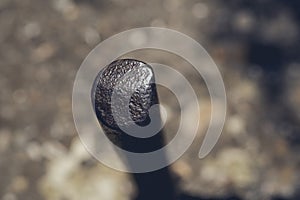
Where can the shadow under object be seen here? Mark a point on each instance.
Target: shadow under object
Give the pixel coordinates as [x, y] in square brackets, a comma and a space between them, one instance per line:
[158, 184]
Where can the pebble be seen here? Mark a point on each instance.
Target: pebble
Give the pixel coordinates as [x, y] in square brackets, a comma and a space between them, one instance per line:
[33, 151]
[244, 21]
[232, 165]
[5, 139]
[31, 30]
[182, 169]
[200, 10]
[43, 52]
[158, 23]
[65, 178]
[91, 36]
[235, 125]
[19, 184]
[9, 196]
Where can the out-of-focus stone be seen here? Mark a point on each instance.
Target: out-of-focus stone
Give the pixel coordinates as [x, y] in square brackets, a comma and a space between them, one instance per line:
[200, 10]
[231, 166]
[31, 30]
[66, 178]
[5, 139]
[19, 184]
[182, 169]
[9, 196]
[235, 125]
[91, 36]
[34, 151]
[43, 52]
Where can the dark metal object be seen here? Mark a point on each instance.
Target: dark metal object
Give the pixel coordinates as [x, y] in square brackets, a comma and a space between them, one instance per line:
[141, 101]
[152, 185]
[157, 185]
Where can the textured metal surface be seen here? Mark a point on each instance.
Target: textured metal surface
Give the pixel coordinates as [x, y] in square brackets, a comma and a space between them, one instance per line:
[122, 77]
[130, 74]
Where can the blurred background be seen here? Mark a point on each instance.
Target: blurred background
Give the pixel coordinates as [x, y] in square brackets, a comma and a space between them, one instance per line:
[254, 43]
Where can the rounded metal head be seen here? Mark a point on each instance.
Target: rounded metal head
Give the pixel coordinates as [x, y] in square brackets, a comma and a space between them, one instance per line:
[129, 82]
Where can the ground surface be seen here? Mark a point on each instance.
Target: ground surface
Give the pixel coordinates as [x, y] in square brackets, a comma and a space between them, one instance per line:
[255, 46]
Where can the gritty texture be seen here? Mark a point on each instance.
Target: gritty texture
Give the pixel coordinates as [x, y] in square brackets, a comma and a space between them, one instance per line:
[43, 44]
[130, 80]
[131, 84]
